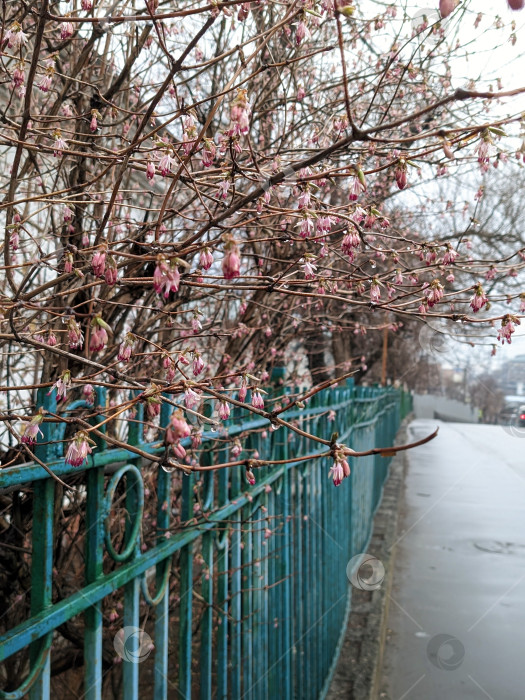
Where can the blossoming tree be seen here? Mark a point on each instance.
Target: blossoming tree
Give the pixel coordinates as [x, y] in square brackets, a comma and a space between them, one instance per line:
[189, 191]
[196, 193]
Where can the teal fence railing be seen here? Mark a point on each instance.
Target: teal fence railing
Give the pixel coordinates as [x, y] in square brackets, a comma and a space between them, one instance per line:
[148, 583]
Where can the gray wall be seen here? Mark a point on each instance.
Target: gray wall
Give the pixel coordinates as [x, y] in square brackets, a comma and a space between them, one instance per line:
[428, 406]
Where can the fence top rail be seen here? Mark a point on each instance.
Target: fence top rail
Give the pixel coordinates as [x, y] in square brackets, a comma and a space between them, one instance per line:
[27, 472]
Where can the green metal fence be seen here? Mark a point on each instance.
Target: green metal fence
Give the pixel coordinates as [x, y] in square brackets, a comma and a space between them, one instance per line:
[241, 589]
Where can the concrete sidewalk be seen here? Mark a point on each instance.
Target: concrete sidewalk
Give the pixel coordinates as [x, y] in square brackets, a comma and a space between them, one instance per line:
[456, 607]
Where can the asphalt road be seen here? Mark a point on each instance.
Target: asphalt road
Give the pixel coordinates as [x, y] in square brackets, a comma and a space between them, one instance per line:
[456, 618]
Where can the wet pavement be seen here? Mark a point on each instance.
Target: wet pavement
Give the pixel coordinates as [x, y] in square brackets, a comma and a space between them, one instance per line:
[456, 614]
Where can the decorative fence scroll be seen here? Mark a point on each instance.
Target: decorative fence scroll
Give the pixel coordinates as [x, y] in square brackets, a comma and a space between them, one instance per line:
[196, 586]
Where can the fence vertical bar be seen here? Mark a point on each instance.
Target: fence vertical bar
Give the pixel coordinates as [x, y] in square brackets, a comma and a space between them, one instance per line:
[131, 607]
[42, 573]
[207, 617]
[236, 602]
[94, 556]
[42, 548]
[162, 611]
[186, 594]
[94, 552]
[222, 594]
[247, 606]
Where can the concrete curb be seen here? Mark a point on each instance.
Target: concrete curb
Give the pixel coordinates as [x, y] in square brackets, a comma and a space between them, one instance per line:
[358, 672]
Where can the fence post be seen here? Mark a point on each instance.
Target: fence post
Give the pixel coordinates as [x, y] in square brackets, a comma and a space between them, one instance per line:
[42, 548]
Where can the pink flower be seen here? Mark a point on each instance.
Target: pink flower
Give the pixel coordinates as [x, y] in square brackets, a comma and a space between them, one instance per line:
[191, 398]
[307, 227]
[32, 429]
[479, 299]
[62, 385]
[150, 170]
[302, 32]
[447, 7]
[177, 428]
[206, 259]
[68, 263]
[179, 450]
[375, 291]
[126, 348]
[198, 364]
[153, 404]
[75, 335]
[98, 339]
[236, 448]
[434, 293]
[257, 399]
[78, 449]
[400, 174]
[19, 76]
[250, 477]
[166, 277]
[111, 272]
[66, 30]
[240, 114]
[304, 199]
[46, 82]
[223, 410]
[242, 392]
[244, 11]
[59, 144]
[398, 279]
[170, 368]
[15, 37]
[86, 5]
[355, 188]
[98, 263]
[224, 186]
[484, 150]
[340, 469]
[508, 324]
[89, 394]
[231, 264]
[301, 93]
[450, 256]
[208, 153]
[359, 215]
[309, 270]
[166, 164]
[370, 220]
[99, 336]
